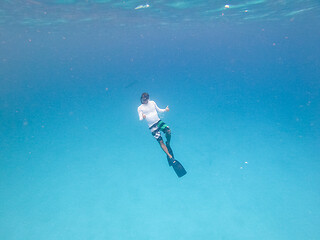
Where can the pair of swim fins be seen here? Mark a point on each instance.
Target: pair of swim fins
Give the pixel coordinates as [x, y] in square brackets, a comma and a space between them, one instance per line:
[177, 166]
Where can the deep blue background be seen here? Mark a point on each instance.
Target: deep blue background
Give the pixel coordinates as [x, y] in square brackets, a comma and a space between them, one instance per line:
[76, 163]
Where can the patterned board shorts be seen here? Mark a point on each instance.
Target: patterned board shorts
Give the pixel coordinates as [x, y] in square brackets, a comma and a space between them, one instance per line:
[157, 127]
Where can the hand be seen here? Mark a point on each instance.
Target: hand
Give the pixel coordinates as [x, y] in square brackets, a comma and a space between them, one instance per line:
[144, 116]
[167, 109]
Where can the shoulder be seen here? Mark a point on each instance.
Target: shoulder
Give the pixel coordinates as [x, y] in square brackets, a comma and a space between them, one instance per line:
[139, 108]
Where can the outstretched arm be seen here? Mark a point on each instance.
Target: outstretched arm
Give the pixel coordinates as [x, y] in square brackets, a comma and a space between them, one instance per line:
[161, 110]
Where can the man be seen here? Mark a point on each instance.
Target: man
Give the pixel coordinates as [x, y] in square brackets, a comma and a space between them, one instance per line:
[148, 110]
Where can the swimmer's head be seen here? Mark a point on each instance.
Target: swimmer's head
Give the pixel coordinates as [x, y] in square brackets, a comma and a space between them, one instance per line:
[144, 98]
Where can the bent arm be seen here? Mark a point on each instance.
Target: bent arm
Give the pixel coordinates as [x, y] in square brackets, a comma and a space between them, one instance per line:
[140, 114]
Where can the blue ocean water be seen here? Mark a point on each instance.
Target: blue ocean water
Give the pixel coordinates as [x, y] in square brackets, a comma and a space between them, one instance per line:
[242, 81]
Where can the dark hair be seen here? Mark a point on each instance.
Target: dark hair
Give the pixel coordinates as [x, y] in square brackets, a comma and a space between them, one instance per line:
[144, 96]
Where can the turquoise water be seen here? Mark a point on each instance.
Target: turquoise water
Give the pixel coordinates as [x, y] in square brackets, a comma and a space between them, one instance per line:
[242, 82]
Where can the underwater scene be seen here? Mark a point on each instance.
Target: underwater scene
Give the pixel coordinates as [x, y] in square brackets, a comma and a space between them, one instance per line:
[237, 83]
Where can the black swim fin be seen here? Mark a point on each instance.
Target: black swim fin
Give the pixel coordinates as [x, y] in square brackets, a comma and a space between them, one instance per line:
[177, 166]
